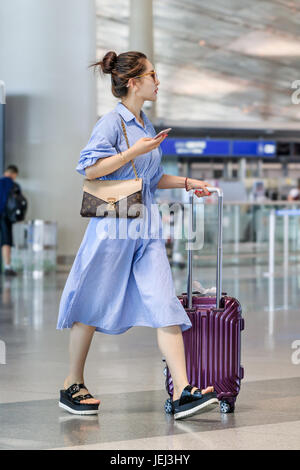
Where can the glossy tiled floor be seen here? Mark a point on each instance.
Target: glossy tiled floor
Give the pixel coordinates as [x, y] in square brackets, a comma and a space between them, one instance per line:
[125, 372]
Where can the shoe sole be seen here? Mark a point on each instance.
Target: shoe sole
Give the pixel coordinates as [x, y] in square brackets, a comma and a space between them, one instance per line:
[76, 412]
[207, 406]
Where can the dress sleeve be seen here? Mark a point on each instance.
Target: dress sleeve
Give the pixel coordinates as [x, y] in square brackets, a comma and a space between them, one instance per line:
[155, 179]
[101, 144]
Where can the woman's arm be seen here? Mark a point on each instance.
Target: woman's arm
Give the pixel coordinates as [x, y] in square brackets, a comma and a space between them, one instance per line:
[172, 181]
[107, 165]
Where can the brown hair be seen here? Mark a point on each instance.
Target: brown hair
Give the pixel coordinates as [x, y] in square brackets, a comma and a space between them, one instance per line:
[122, 67]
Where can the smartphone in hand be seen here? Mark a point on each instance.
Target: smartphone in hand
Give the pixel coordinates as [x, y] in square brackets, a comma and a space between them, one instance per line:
[165, 131]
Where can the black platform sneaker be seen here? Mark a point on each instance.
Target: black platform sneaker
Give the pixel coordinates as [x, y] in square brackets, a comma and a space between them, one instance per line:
[190, 404]
[74, 405]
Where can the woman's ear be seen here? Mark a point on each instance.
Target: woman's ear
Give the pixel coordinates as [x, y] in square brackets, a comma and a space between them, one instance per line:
[130, 83]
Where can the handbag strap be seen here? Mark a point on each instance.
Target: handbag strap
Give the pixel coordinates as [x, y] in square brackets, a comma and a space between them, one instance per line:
[125, 133]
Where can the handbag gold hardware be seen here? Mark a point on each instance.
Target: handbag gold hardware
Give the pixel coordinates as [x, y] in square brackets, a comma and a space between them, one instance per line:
[111, 204]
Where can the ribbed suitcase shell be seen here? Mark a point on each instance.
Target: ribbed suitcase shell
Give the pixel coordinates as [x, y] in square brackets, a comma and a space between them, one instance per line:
[212, 346]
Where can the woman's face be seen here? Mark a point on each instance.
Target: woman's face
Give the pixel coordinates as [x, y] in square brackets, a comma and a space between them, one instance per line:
[146, 85]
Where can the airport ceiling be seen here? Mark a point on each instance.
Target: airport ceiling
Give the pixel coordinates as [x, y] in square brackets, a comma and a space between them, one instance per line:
[223, 61]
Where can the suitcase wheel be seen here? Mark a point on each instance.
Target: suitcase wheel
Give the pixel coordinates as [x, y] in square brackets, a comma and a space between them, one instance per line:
[226, 407]
[168, 406]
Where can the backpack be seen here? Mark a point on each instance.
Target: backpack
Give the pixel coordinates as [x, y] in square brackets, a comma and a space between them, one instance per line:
[16, 205]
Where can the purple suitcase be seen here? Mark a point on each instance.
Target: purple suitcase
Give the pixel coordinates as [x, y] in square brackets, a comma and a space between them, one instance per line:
[213, 343]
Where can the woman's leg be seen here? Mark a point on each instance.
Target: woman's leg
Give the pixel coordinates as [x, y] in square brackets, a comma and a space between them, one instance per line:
[80, 340]
[171, 345]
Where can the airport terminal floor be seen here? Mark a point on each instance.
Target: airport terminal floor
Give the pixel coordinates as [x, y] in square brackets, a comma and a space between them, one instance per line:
[126, 373]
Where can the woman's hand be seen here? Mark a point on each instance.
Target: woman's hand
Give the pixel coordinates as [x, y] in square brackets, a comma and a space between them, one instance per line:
[145, 145]
[198, 185]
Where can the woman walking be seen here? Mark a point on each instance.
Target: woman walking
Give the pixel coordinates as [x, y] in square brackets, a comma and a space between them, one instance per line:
[117, 283]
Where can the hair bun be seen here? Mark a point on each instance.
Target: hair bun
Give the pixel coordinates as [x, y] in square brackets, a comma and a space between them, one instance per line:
[109, 62]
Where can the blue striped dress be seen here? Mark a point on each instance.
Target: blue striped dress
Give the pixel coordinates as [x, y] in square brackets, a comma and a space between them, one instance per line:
[119, 282]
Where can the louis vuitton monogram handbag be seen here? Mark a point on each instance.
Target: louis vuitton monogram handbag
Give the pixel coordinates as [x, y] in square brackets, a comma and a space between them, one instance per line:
[113, 198]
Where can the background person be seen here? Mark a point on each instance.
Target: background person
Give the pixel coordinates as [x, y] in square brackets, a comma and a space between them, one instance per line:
[294, 194]
[6, 184]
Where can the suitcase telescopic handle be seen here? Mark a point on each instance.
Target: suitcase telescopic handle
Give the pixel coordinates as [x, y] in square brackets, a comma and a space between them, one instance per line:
[219, 192]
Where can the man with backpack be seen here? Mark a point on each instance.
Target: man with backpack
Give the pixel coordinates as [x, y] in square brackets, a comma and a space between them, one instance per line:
[10, 198]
